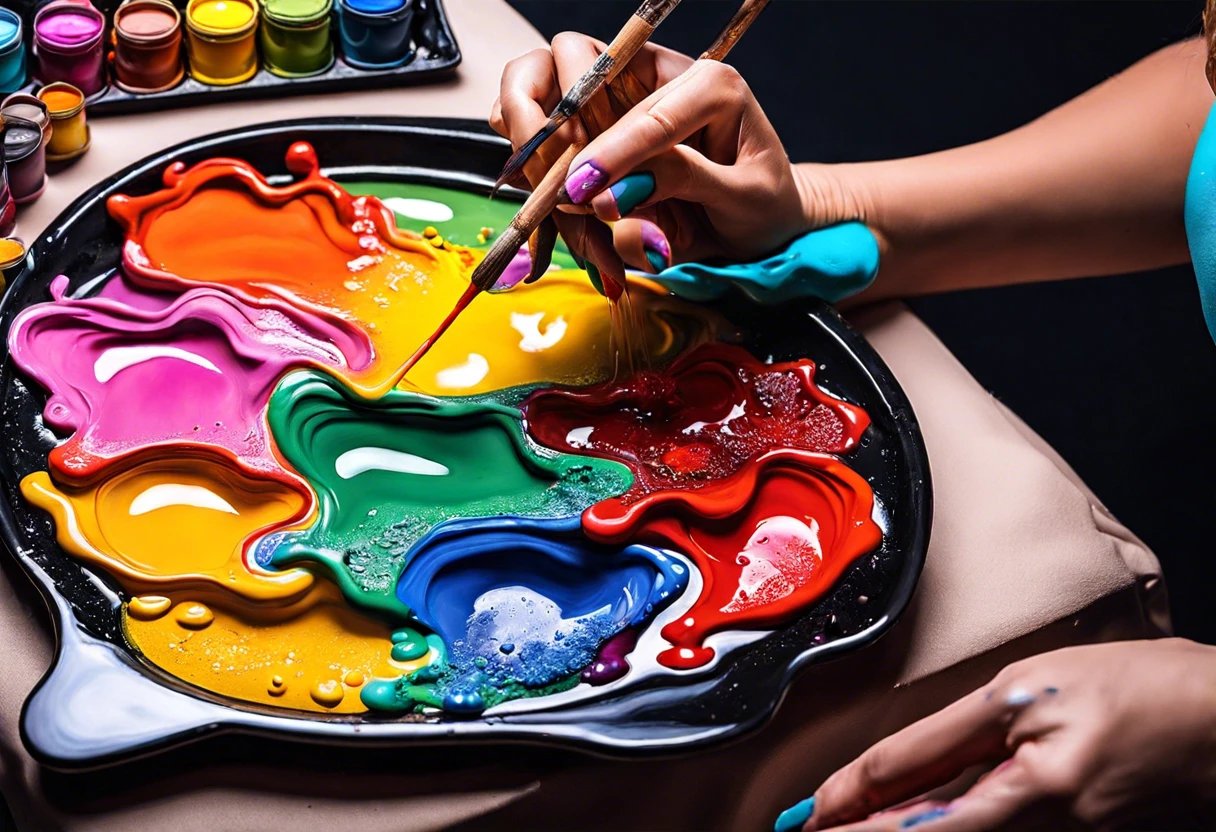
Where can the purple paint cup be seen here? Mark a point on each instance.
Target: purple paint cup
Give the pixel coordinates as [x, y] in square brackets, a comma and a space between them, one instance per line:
[25, 156]
[69, 44]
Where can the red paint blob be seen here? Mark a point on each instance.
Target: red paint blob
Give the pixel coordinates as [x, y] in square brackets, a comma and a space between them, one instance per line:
[697, 421]
[769, 540]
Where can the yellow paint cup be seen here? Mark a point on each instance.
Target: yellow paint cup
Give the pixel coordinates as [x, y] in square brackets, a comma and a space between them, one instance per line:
[69, 132]
[220, 40]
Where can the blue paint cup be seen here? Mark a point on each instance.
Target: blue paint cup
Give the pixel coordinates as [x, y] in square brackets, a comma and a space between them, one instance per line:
[12, 51]
[376, 34]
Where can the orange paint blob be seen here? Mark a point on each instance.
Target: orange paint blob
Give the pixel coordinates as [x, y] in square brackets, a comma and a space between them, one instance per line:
[58, 101]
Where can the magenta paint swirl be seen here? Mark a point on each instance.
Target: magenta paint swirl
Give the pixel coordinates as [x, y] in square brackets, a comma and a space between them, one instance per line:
[133, 369]
[65, 28]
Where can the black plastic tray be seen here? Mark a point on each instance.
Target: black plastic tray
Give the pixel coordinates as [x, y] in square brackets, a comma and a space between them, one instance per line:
[436, 54]
[101, 703]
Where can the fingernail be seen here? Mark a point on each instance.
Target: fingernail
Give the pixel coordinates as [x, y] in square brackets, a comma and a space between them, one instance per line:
[631, 191]
[925, 817]
[585, 182]
[795, 816]
[655, 246]
[518, 269]
[594, 274]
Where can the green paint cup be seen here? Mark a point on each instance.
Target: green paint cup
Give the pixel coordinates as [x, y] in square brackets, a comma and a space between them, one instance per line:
[295, 37]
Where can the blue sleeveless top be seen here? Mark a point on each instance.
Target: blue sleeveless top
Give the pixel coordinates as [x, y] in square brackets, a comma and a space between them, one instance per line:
[1200, 215]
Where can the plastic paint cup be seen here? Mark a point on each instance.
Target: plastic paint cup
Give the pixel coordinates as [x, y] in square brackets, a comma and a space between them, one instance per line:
[25, 156]
[70, 132]
[147, 46]
[376, 34]
[69, 45]
[220, 40]
[295, 37]
[8, 206]
[12, 51]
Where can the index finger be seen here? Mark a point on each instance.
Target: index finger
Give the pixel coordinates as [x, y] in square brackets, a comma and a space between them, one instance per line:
[923, 756]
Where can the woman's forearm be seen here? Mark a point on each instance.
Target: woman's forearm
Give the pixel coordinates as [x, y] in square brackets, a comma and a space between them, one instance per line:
[1093, 187]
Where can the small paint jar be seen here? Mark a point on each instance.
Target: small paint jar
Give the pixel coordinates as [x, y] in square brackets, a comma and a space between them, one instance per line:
[221, 40]
[8, 206]
[12, 260]
[69, 43]
[70, 132]
[25, 156]
[295, 37]
[29, 107]
[12, 51]
[147, 46]
[376, 34]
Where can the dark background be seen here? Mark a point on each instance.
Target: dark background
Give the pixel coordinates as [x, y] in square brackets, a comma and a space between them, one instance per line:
[1118, 373]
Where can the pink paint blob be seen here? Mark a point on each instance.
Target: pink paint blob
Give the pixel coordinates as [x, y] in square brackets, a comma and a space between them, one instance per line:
[67, 28]
[129, 370]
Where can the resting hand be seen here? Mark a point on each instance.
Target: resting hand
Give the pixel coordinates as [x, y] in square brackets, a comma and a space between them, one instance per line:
[1101, 735]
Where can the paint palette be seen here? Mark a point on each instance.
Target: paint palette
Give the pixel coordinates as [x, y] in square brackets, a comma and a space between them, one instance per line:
[512, 545]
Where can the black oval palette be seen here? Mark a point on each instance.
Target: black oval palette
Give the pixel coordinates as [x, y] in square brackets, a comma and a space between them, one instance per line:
[101, 702]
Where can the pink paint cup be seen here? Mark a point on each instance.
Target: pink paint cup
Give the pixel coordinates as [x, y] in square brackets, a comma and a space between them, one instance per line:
[70, 46]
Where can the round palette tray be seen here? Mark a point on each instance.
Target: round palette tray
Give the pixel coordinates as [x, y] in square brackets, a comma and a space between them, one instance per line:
[102, 703]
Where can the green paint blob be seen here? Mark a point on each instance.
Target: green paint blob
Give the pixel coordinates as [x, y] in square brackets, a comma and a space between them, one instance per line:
[471, 212]
[411, 648]
[387, 471]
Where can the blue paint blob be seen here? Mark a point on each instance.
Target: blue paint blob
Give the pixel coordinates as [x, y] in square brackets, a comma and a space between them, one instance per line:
[935, 813]
[831, 263]
[523, 604]
[1200, 215]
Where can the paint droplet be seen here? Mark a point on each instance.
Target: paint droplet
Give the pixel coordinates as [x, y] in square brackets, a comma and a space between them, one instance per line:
[353, 679]
[194, 616]
[1019, 697]
[277, 686]
[148, 607]
[327, 693]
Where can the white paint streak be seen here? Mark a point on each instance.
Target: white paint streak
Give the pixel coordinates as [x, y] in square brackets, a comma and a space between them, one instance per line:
[177, 494]
[426, 210]
[116, 359]
[533, 340]
[360, 460]
[464, 375]
[580, 437]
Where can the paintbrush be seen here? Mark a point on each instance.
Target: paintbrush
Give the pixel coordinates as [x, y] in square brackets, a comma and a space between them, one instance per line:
[551, 192]
[632, 37]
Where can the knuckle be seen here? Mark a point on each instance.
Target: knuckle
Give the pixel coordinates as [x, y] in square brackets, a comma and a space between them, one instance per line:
[664, 123]
[563, 41]
[875, 766]
[726, 79]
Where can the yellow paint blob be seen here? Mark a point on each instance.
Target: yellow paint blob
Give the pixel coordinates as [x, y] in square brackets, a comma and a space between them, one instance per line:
[353, 679]
[288, 663]
[183, 521]
[10, 250]
[222, 14]
[193, 616]
[148, 607]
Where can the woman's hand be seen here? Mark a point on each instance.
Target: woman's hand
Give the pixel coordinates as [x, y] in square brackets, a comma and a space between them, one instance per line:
[697, 158]
[1101, 735]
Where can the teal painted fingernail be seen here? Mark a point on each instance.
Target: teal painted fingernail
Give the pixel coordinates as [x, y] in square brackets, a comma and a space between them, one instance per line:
[631, 191]
[795, 816]
[657, 261]
[594, 274]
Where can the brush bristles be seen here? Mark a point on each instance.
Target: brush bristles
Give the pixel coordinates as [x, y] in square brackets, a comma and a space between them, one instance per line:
[499, 257]
[520, 157]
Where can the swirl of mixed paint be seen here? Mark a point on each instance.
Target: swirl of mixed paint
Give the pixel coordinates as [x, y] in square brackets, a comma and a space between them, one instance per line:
[237, 457]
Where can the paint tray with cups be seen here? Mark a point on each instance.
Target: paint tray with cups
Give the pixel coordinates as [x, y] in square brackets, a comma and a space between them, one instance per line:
[245, 520]
[142, 55]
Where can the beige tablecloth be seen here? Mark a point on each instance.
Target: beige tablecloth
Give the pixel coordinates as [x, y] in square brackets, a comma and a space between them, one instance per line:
[1023, 559]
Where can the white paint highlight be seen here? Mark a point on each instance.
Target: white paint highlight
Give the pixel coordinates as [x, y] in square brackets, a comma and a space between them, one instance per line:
[722, 424]
[116, 359]
[533, 340]
[426, 210]
[580, 437]
[357, 461]
[471, 372]
[178, 494]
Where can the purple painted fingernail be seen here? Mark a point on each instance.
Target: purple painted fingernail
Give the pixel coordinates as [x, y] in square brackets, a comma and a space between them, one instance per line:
[518, 269]
[655, 246]
[585, 182]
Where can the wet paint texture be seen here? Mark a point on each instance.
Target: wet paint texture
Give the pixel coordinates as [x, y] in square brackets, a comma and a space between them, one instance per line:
[296, 525]
[522, 605]
[769, 541]
[386, 472]
[831, 263]
[699, 420]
